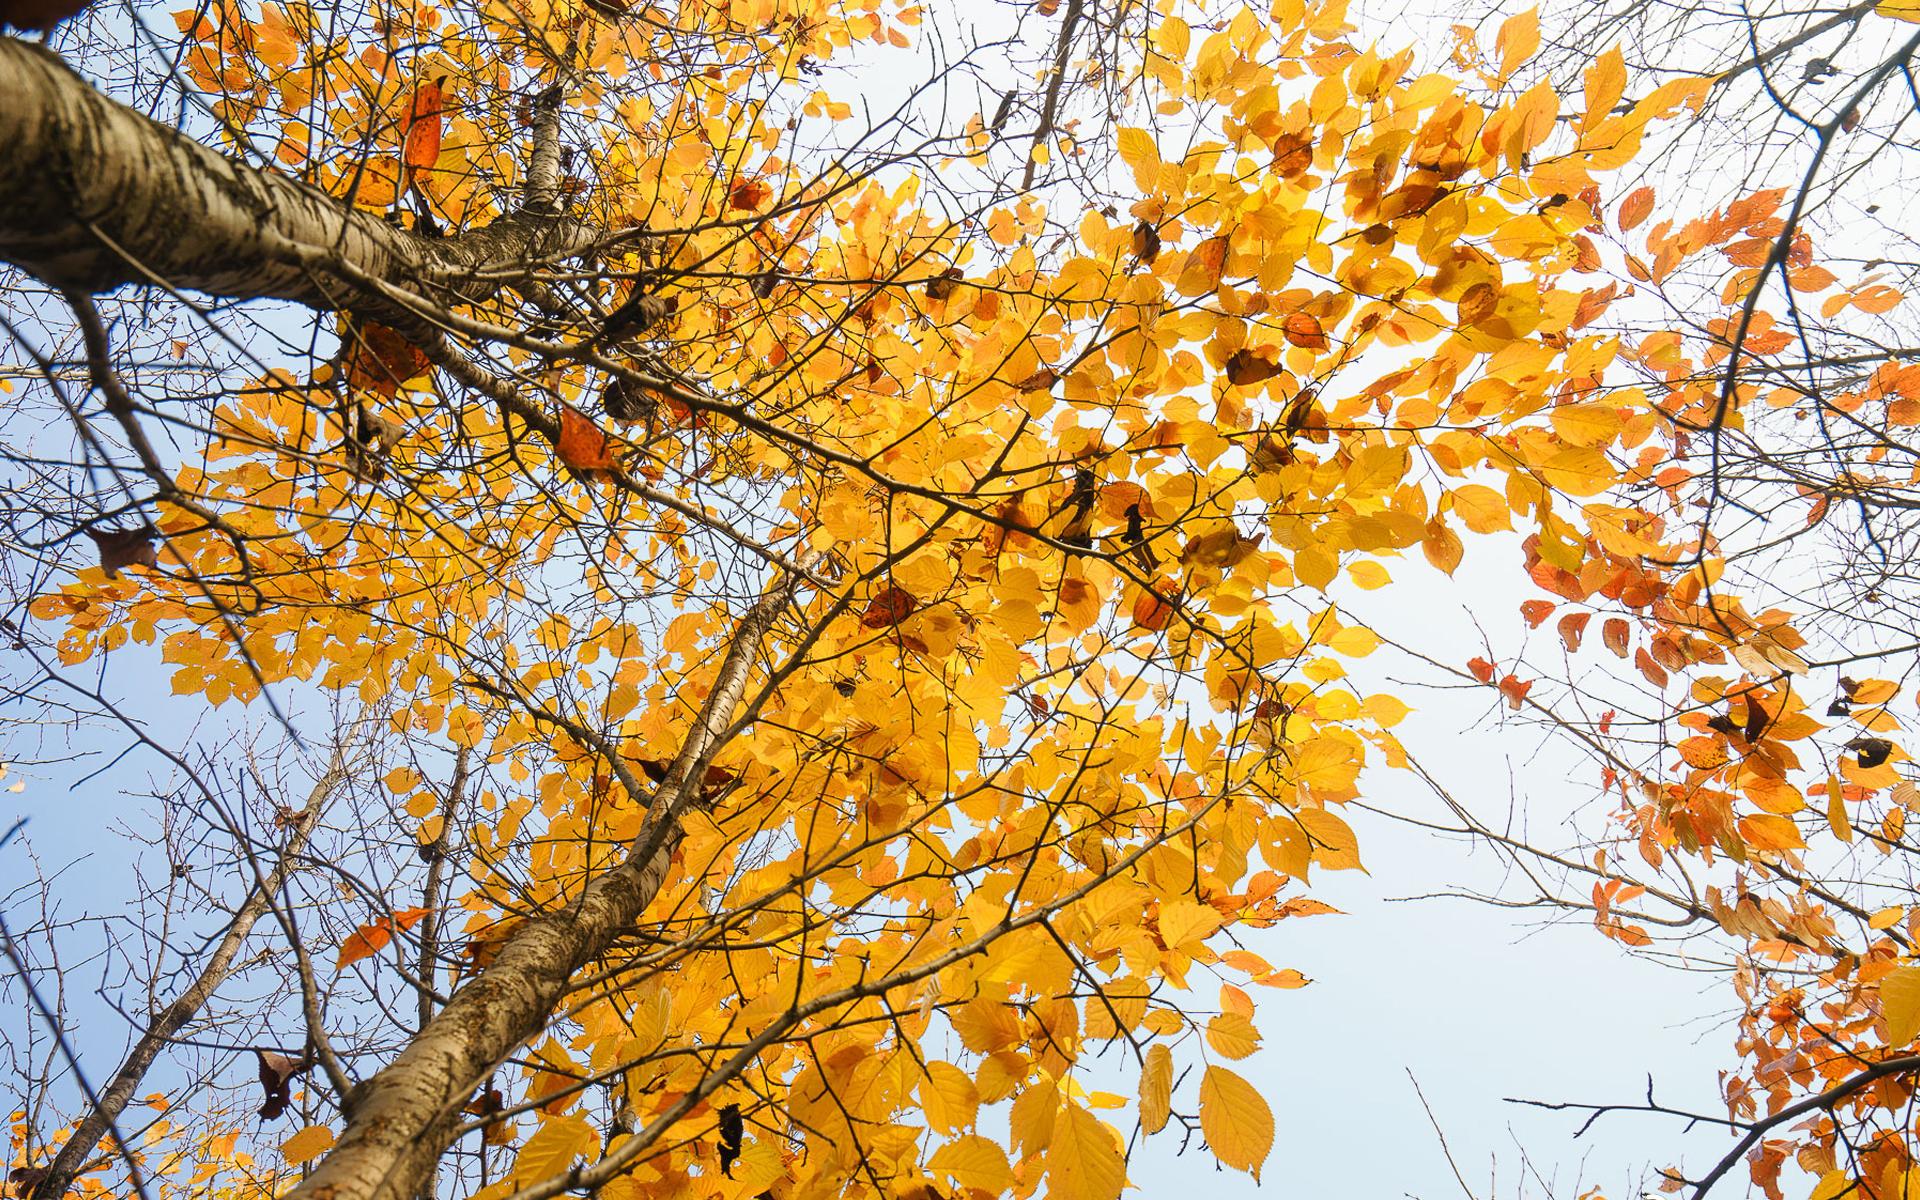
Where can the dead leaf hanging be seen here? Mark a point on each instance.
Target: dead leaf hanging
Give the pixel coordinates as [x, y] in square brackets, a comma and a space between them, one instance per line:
[125, 548]
[1039, 381]
[1246, 368]
[941, 286]
[277, 1073]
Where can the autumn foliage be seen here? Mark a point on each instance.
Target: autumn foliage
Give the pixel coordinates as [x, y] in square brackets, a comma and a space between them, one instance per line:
[1006, 539]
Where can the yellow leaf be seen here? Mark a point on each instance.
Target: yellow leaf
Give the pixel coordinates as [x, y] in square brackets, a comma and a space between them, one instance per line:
[552, 1148]
[1887, 918]
[1518, 38]
[1837, 811]
[1483, 509]
[948, 1097]
[1385, 710]
[1900, 1002]
[1085, 1160]
[1156, 1089]
[1236, 1120]
[975, 1163]
[1139, 151]
[1232, 1035]
[1183, 922]
[1606, 81]
[310, 1142]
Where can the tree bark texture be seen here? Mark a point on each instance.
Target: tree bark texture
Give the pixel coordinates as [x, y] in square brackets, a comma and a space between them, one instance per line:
[95, 196]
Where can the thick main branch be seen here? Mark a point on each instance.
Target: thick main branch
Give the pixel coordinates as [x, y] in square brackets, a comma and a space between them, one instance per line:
[401, 1119]
[95, 195]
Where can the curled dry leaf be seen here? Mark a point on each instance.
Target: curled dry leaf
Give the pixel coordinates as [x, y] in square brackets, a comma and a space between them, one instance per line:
[941, 286]
[627, 403]
[125, 548]
[1247, 367]
[1146, 242]
[277, 1073]
[370, 442]
[732, 1132]
[1039, 381]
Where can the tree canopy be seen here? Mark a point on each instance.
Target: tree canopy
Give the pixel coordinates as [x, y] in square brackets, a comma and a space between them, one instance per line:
[800, 560]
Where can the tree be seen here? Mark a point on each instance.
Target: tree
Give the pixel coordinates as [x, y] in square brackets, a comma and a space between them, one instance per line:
[851, 609]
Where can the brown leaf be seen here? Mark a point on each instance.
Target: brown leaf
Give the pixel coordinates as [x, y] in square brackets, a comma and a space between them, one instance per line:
[277, 1073]
[124, 548]
[1039, 381]
[1146, 242]
[1246, 368]
[627, 403]
[486, 1104]
[941, 286]
[639, 312]
[732, 1130]
[1872, 751]
[582, 445]
[370, 442]
[1142, 553]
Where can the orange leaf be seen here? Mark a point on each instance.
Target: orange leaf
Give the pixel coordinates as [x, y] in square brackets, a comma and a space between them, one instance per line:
[380, 360]
[1303, 330]
[423, 128]
[1615, 634]
[1152, 609]
[583, 446]
[889, 607]
[364, 942]
[1636, 207]
[748, 194]
[1481, 668]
